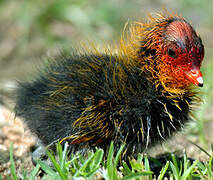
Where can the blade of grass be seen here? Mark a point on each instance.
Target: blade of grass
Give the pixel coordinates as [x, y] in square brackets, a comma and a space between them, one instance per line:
[163, 171]
[174, 160]
[56, 165]
[185, 162]
[126, 169]
[91, 165]
[135, 165]
[118, 155]
[81, 170]
[202, 149]
[47, 169]
[98, 157]
[188, 171]
[111, 169]
[12, 166]
[59, 153]
[146, 165]
[34, 172]
[75, 161]
[174, 171]
[209, 168]
[140, 157]
[24, 174]
[62, 154]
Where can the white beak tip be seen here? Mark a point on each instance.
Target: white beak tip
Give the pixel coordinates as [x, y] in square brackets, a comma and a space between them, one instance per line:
[200, 81]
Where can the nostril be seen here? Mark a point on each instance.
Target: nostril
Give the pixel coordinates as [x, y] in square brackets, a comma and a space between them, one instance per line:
[194, 72]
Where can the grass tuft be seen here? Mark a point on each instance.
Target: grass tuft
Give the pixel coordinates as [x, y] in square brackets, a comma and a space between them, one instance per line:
[64, 167]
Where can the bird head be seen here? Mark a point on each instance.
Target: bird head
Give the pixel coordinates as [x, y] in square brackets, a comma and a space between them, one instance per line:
[168, 47]
[183, 50]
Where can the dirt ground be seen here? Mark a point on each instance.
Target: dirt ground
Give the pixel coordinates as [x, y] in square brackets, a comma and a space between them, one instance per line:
[13, 132]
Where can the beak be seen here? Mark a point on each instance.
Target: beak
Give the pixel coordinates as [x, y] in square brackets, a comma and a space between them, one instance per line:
[194, 75]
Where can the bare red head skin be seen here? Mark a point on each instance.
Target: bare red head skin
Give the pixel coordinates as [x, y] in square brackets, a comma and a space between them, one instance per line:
[184, 50]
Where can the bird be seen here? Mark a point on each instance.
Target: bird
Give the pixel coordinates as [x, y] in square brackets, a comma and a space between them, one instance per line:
[139, 92]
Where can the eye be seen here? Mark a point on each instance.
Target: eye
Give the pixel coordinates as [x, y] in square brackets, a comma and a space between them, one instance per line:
[171, 53]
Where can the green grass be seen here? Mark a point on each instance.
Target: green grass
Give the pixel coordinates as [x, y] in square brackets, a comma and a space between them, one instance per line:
[76, 166]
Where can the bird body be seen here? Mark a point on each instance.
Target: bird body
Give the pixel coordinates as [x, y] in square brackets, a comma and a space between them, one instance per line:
[139, 95]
